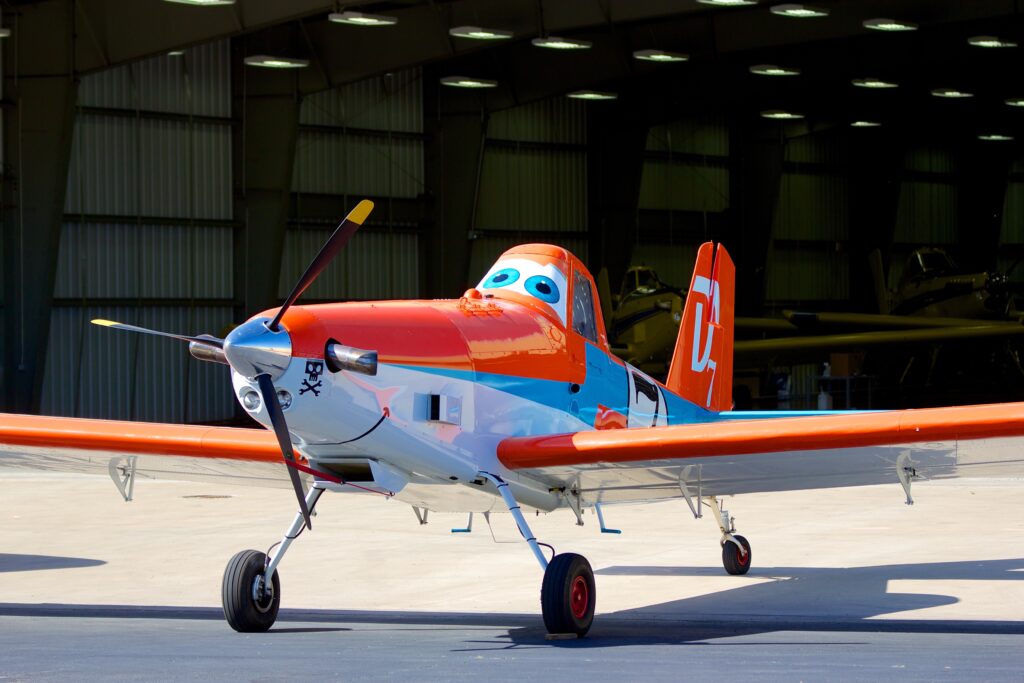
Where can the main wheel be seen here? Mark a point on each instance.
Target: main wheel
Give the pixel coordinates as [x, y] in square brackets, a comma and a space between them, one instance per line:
[249, 605]
[568, 595]
[736, 562]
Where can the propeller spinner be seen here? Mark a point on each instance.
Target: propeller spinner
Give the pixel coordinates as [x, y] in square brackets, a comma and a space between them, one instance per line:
[260, 349]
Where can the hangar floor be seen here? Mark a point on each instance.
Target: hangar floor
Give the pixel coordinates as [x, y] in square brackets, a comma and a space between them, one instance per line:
[927, 590]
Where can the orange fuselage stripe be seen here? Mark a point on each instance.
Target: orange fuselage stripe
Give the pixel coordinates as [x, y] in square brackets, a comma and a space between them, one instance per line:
[142, 438]
[769, 435]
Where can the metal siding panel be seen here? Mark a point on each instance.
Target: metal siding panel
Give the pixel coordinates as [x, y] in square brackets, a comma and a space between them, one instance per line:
[683, 186]
[557, 120]
[816, 149]
[693, 136]
[105, 261]
[929, 160]
[806, 273]
[334, 163]
[374, 265]
[1013, 214]
[811, 207]
[927, 213]
[530, 189]
[393, 101]
[672, 262]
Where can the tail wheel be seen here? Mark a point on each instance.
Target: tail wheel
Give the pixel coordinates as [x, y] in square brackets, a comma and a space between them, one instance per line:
[568, 595]
[250, 606]
[735, 560]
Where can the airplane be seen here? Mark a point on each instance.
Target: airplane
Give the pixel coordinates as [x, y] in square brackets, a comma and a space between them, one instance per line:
[507, 398]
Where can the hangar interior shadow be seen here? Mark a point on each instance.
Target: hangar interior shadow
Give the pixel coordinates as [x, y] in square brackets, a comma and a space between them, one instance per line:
[801, 599]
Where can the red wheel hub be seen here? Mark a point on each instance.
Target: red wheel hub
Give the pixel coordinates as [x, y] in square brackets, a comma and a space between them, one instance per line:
[742, 557]
[579, 597]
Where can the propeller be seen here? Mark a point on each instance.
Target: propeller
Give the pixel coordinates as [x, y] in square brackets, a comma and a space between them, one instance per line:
[261, 349]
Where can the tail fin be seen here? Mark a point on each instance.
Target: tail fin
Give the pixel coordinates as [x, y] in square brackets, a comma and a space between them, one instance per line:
[701, 369]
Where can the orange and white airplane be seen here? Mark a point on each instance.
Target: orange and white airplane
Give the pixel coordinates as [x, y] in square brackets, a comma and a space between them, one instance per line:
[507, 397]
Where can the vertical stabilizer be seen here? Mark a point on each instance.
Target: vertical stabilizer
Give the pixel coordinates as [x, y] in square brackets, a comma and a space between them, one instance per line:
[701, 369]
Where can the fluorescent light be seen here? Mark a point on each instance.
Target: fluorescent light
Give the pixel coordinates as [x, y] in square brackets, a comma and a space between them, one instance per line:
[773, 70]
[477, 33]
[865, 124]
[889, 25]
[202, 3]
[990, 41]
[175, 53]
[728, 3]
[592, 95]
[269, 62]
[467, 82]
[5, 33]
[1015, 101]
[791, 9]
[362, 19]
[556, 43]
[660, 56]
[876, 83]
[781, 115]
[995, 137]
[951, 93]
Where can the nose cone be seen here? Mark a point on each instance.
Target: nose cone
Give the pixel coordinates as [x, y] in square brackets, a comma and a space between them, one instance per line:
[253, 349]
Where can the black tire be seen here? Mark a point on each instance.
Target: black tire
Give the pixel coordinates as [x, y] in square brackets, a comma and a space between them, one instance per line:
[243, 611]
[734, 561]
[568, 595]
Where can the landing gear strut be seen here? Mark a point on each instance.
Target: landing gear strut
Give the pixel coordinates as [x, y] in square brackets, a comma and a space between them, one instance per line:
[251, 590]
[568, 595]
[736, 555]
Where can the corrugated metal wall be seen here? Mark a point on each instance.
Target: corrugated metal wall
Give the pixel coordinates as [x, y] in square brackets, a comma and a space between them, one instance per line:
[807, 259]
[533, 183]
[361, 140]
[1011, 238]
[147, 240]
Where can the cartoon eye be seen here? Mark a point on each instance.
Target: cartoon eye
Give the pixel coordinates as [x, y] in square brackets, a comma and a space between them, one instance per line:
[544, 288]
[502, 278]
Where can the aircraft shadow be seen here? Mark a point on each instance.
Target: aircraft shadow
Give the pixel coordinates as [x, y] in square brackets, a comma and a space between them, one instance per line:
[29, 563]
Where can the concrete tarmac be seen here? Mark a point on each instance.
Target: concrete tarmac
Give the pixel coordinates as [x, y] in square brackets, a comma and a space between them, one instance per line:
[847, 584]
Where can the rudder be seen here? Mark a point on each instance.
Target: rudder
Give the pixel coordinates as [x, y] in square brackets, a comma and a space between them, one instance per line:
[701, 368]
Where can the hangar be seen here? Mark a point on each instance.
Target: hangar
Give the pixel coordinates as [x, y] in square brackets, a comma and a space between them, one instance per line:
[175, 164]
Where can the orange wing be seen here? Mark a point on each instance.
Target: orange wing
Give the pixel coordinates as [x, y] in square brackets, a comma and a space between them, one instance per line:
[777, 454]
[247, 456]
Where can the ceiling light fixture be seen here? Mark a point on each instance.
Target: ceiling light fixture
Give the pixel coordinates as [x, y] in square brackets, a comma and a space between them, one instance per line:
[467, 82]
[865, 124]
[951, 93]
[995, 137]
[1015, 102]
[773, 70]
[5, 33]
[269, 62]
[660, 56]
[592, 95]
[175, 53]
[889, 25]
[791, 9]
[362, 19]
[202, 3]
[556, 43]
[875, 83]
[781, 115]
[990, 41]
[728, 3]
[477, 33]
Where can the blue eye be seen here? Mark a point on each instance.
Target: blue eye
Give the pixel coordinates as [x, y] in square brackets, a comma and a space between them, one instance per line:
[502, 278]
[544, 288]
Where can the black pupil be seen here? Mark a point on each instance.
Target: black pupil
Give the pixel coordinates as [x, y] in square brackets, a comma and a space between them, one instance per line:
[543, 288]
[501, 277]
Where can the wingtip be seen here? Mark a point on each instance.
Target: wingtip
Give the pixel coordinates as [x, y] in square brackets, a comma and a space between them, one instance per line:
[362, 210]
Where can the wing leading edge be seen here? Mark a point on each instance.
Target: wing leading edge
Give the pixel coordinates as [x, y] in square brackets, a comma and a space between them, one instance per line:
[745, 456]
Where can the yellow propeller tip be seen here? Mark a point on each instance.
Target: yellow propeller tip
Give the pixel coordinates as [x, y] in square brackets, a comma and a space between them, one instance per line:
[362, 210]
[104, 323]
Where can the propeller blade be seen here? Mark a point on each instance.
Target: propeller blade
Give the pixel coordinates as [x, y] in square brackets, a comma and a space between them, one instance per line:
[283, 439]
[207, 339]
[342, 234]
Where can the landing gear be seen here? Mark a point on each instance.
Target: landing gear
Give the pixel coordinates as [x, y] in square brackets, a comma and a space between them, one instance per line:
[251, 590]
[250, 603]
[568, 595]
[736, 555]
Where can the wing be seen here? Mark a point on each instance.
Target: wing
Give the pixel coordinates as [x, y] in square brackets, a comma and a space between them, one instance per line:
[778, 454]
[162, 451]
